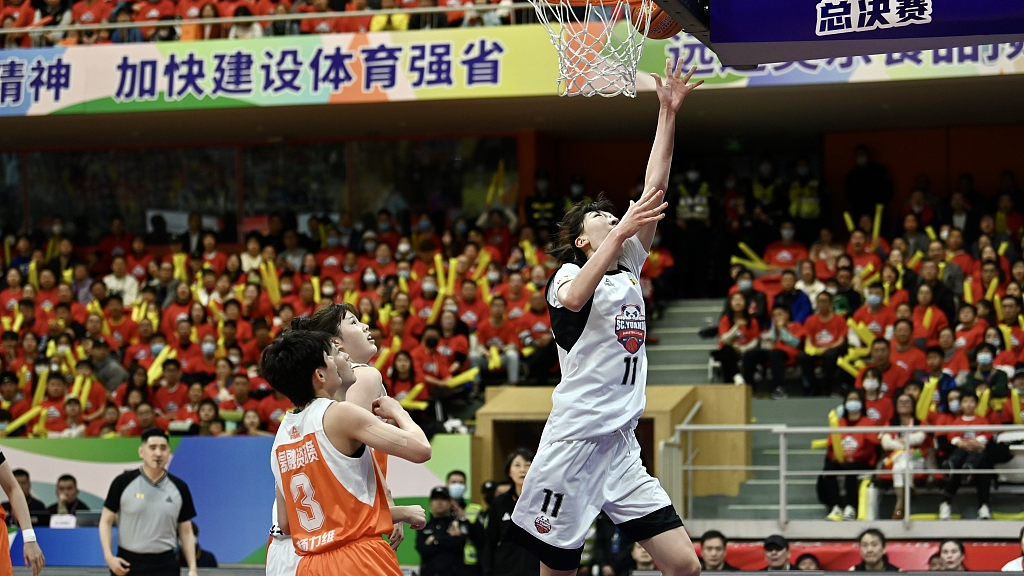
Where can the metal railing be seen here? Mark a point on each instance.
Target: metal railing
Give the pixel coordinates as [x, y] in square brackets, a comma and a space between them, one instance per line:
[678, 462]
[263, 20]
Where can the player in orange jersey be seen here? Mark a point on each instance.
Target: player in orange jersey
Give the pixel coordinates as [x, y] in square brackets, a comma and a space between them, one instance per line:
[330, 498]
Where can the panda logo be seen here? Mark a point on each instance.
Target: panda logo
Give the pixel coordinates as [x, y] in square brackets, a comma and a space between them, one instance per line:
[631, 327]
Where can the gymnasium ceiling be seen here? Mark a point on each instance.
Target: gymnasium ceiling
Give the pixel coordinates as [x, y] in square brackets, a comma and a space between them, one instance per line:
[710, 117]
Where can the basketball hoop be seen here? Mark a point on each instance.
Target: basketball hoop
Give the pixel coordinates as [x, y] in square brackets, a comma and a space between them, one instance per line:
[596, 57]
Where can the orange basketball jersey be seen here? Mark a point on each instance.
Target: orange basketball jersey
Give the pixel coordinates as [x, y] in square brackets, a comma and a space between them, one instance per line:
[332, 499]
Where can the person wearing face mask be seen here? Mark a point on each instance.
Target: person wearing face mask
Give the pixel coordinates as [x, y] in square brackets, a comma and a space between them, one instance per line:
[497, 225]
[807, 201]
[785, 253]
[876, 317]
[443, 541]
[890, 376]
[383, 261]
[968, 453]
[867, 184]
[756, 299]
[577, 193]
[986, 376]
[897, 458]
[387, 232]
[857, 452]
[877, 406]
[331, 255]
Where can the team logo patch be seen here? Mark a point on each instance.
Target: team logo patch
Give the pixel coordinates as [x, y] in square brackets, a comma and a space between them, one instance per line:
[631, 327]
[542, 524]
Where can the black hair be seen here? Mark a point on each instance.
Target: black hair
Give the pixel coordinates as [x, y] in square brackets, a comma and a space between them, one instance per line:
[935, 350]
[171, 362]
[67, 478]
[22, 473]
[571, 226]
[873, 532]
[325, 320]
[526, 454]
[153, 432]
[460, 472]
[806, 556]
[289, 362]
[985, 346]
[903, 321]
[859, 392]
[964, 395]
[881, 341]
[712, 534]
[959, 544]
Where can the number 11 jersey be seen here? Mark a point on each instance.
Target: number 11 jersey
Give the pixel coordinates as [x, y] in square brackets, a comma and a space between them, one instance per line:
[601, 350]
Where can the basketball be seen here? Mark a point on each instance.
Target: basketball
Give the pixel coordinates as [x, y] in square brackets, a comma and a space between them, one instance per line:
[662, 25]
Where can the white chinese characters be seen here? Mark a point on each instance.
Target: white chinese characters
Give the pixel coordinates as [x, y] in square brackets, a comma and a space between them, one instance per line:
[843, 16]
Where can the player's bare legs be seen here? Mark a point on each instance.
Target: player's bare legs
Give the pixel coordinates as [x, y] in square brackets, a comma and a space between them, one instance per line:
[673, 553]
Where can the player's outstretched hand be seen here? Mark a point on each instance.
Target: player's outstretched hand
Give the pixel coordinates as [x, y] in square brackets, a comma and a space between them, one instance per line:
[649, 208]
[387, 408]
[674, 88]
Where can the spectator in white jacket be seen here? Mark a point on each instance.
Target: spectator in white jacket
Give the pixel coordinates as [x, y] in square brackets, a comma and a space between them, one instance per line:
[119, 281]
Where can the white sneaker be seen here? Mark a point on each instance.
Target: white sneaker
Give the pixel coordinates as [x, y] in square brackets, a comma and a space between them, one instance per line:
[945, 511]
[849, 513]
[738, 380]
[779, 393]
[984, 513]
[836, 514]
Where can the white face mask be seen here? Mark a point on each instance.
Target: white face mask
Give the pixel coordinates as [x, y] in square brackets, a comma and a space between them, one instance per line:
[871, 385]
[327, 291]
[404, 247]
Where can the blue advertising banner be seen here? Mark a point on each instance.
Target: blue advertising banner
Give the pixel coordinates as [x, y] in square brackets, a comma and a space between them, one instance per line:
[756, 32]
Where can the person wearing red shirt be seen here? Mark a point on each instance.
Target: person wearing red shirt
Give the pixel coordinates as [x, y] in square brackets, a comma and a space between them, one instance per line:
[785, 338]
[212, 257]
[303, 302]
[861, 258]
[123, 330]
[10, 399]
[109, 418]
[138, 260]
[877, 407]
[825, 331]
[428, 362]
[133, 422]
[738, 331]
[243, 328]
[496, 331]
[177, 311]
[383, 263]
[151, 11]
[30, 322]
[46, 297]
[252, 350]
[784, 254]
[11, 295]
[272, 410]
[53, 404]
[201, 365]
[535, 332]
[146, 349]
[396, 329]
[401, 377]
[496, 224]
[876, 316]
[904, 353]
[219, 388]
[172, 394]
[66, 296]
[472, 309]
[454, 344]
[860, 452]
[956, 254]
[982, 280]
[971, 330]
[515, 295]
[23, 13]
[929, 319]
[892, 376]
[324, 25]
[189, 412]
[332, 255]
[1011, 323]
[423, 303]
[240, 401]
[954, 360]
[969, 453]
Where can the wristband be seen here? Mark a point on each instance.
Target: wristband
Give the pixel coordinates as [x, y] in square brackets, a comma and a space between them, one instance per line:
[29, 535]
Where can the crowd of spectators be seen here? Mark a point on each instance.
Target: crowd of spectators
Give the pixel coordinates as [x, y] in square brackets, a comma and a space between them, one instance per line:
[110, 339]
[81, 14]
[922, 325]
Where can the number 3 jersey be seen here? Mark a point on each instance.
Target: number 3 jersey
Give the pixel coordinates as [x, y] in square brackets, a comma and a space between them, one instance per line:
[601, 350]
[332, 499]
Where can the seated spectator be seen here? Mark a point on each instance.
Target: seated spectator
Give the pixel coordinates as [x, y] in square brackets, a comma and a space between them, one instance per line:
[891, 376]
[951, 556]
[119, 282]
[968, 453]
[971, 330]
[847, 297]
[109, 418]
[929, 319]
[535, 333]
[986, 376]
[250, 425]
[172, 395]
[872, 553]
[738, 332]
[858, 452]
[272, 410]
[73, 426]
[903, 352]
[782, 344]
[935, 563]
[497, 332]
[877, 407]
[826, 340]
[757, 302]
[713, 546]
[791, 298]
[807, 562]
[809, 283]
[240, 400]
[67, 497]
[874, 314]
[1010, 323]
[895, 444]
[35, 506]
[53, 403]
[776, 553]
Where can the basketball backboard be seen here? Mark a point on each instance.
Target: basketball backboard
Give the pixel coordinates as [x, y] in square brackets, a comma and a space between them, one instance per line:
[752, 32]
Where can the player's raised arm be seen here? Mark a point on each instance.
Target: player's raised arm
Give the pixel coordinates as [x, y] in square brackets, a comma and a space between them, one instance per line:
[345, 422]
[671, 93]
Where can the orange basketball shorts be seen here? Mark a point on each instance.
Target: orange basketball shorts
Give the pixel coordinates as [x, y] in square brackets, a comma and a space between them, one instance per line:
[366, 557]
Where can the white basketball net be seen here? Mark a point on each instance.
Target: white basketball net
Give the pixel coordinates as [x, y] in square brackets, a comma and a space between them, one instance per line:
[594, 58]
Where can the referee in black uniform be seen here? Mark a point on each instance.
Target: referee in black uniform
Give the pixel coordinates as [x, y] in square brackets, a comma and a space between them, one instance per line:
[154, 511]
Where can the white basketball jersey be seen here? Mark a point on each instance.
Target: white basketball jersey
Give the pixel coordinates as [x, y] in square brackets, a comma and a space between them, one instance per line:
[602, 353]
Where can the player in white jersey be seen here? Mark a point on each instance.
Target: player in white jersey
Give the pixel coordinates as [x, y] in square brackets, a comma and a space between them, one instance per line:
[589, 458]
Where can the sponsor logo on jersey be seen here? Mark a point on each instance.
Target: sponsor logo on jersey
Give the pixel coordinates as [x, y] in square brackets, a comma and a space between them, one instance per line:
[542, 524]
[293, 433]
[631, 327]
